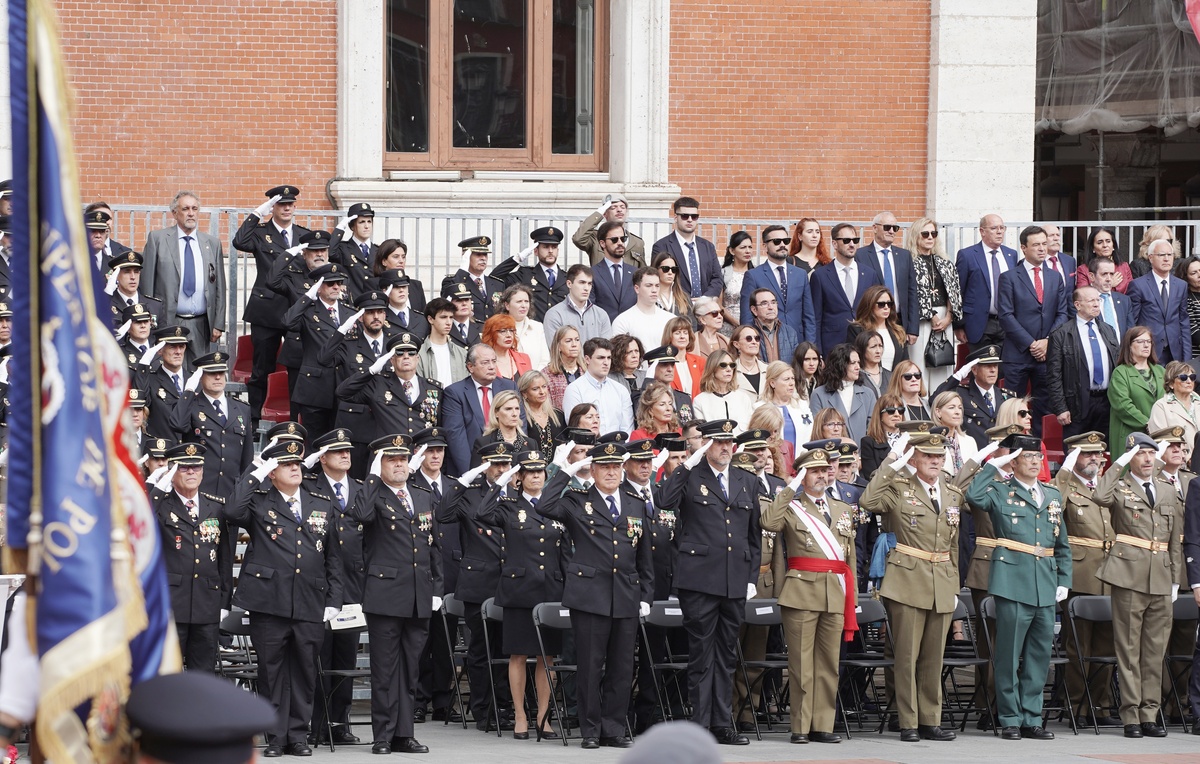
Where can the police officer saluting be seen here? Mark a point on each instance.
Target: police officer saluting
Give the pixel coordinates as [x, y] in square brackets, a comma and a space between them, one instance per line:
[161, 374]
[547, 281]
[221, 423]
[319, 315]
[400, 402]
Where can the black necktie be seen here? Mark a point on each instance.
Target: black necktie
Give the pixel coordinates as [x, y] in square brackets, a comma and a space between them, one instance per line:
[824, 509]
[189, 268]
[462, 331]
[782, 288]
[1149, 492]
[286, 244]
[220, 414]
[337, 490]
[437, 493]
[1163, 294]
[375, 347]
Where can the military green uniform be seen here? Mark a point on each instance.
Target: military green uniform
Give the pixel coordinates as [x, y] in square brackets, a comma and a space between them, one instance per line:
[1030, 561]
[976, 580]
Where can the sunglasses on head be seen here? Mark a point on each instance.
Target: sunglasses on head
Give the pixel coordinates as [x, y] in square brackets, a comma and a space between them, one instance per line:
[669, 268]
[849, 239]
[779, 241]
[892, 410]
[615, 239]
[929, 234]
[688, 215]
[911, 375]
[890, 227]
[1186, 377]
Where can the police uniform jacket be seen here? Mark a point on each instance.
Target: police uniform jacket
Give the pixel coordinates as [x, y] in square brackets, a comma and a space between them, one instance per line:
[344, 251]
[261, 238]
[1084, 519]
[289, 277]
[117, 305]
[482, 545]
[1019, 516]
[199, 565]
[976, 419]
[384, 395]
[290, 569]
[349, 535]
[907, 512]
[230, 445]
[347, 355]
[316, 384]
[534, 277]
[802, 589]
[531, 568]
[484, 302]
[447, 532]
[404, 563]
[474, 335]
[662, 545]
[417, 324]
[611, 570]
[161, 394]
[719, 539]
[1128, 566]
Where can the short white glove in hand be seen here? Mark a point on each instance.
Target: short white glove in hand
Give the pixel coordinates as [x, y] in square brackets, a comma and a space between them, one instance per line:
[164, 482]
[751, 591]
[507, 477]
[151, 352]
[465, 263]
[573, 469]
[375, 464]
[1162, 449]
[625, 457]
[142, 461]
[469, 476]
[1125, 458]
[312, 458]
[1060, 594]
[265, 208]
[1000, 461]
[110, 286]
[962, 373]
[519, 256]
[603, 208]
[344, 223]
[266, 468]
[293, 251]
[644, 609]
[224, 614]
[982, 455]
[193, 381]
[382, 361]
[437, 603]
[417, 459]
[1073, 457]
[4, 369]
[123, 329]
[157, 475]
[312, 290]
[798, 480]
[660, 459]
[901, 444]
[330, 614]
[387, 290]
[901, 462]
[1174, 592]
[349, 323]
[562, 452]
[695, 458]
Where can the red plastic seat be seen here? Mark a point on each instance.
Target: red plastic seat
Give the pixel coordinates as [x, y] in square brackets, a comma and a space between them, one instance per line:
[277, 406]
[244, 361]
[1052, 438]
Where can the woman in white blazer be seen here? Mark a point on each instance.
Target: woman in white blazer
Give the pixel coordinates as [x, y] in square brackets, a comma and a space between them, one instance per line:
[779, 392]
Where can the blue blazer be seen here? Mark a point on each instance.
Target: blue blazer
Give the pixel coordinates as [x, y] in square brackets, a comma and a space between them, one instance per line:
[604, 290]
[906, 282]
[710, 267]
[1172, 330]
[1025, 320]
[833, 314]
[975, 282]
[1067, 264]
[798, 313]
[463, 416]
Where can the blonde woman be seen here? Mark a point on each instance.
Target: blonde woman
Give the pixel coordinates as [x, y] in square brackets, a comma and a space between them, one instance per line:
[744, 347]
[543, 421]
[908, 382]
[655, 412]
[782, 453]
[948, 411]
[939, 296]
[720, 397]
[566, 359]
[503, 424]
[1018, 411]
[779, 392]
[1180, 406]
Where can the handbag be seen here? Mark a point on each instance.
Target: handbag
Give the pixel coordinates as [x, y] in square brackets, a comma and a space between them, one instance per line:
[939, 351]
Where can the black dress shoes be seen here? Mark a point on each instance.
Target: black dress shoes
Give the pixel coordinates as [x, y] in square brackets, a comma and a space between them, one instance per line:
[1150, 729]
[728, 736]
[410, 745]
[934, 732]
[272, 751]
[345, 737]
[616, 742]
[381, 746]
[298, 749]
[1010, 733]
[490, 726]
[824, 737]
[590, 743]
[1133, 730]
[419, 716]
[521, 735]
[446, 715]
[909, 736]
[799, 738]
[1037, 733]
[985, 723]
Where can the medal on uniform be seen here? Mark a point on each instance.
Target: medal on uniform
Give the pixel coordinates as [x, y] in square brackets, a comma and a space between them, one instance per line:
[212, 555]
[162, 393]
[201, 417]
[174, 518]
[358, 358]
[320, 545]
[952, 516]
[704, 490]
[521, 515]
[179, 542]
[587, 507]
[387, 396]
[271, 514]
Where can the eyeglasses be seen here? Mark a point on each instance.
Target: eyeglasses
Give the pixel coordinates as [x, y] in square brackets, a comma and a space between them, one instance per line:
[892, 410]
[404, 353]
[750, 338]
[779, 241]
[1022, 413]
[669, 268]
[996, 228]
[835, 424]
[1142, 341]
[911, 375]
[190, 467]
[615, 239]
[712, 313]
[688, 215]
[1186, 377]
[929, 234]
[889, 227]
[883, 304]
[725, 365]
[849, 239]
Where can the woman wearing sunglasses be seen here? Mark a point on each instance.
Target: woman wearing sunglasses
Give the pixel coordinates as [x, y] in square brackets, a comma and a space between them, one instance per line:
[960, 447]
[1180, 407]
[739, 256]
[745, 345]
[840, 389]
[711, 322]
[908, 383]
[1018, 411]
[939, 295]
[1134, 386]
[882, 432]
[671, 296]
[876, 312]
[720, 397]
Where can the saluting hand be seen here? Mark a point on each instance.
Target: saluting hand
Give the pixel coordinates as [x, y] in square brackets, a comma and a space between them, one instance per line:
[695, 458]
[265, 208]
[312, 290]
[348, 324]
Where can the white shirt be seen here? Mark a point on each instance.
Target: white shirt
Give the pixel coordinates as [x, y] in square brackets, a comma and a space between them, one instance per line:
[294, 501]
[1036, 492]
[647, 326]
[344, 483]
[332, 307]
[1081, 326]
[774, 266]
[1163, 283]
[433, 480]
[932, 490]
[479, 393]
[287, 233]
[197, 303]
[403, 313]
[994, 269]
[223, 407]
[441, 358]
[611, 398]
[848, 277]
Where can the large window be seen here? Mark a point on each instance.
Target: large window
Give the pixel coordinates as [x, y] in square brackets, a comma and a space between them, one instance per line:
[496, 84]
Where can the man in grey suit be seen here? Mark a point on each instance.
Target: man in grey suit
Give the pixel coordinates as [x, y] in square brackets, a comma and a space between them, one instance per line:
[185, 268]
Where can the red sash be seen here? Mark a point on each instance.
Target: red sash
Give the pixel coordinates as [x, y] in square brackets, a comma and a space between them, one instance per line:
[817, 565]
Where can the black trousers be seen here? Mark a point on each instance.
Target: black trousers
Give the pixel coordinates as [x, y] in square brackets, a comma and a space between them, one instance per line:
[1017, 376]
[1099, 410]
[339, 652]
[266, 349]
[396, 645]
[287, 673]
[992, 335]
[479, 674]
[436, 682]
[604, 651]
[316, 419]
[712, 624]
[198, 644]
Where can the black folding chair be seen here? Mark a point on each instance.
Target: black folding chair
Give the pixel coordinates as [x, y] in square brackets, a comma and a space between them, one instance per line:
[240, 663]
[665, 615]
[552, 615]
[1095, 609]
[960, 654]
[860, 666]
[1178, 667]
[329, 680]
[759, 612]
[452, 606]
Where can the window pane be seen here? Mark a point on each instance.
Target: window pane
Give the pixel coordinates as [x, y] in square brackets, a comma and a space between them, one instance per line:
[408, 76]
[489, 74]
[572, 116]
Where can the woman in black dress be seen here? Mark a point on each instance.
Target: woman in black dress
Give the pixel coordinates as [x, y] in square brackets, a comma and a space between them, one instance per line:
[543, 422]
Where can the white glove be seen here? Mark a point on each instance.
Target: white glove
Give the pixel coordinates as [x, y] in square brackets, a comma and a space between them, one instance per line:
[437, 603]
[224, 614]
[416, 460]
[1174, 592]
[151, 352]
[1060, 594]
[798, 480]
[123, 329]
[1073, 457]
[469, 476]
[266, 468]
[142, 461]
[1162, 449]
[901, 444]
[382, 361]
[312, 290]
[751, 591]
[962, 373]
[348, 324]
[902, 461]
[695, 458]
[625, 457]
[193, 381]
[387, 290]
[164, 482]
[603, 208]
[1125, 458]
[562, 452]
[110, 286]
[293, 251]
[660, 459]
[4, 369]
[983, 453]
[265, 208]
[158, 473]
[519, 256]
[330, 614]
[573, 469]
[1000, 461]
[507, 477]
[312, 458]
[465, 263]
[644, 609]
[344, 225]
[376, 463]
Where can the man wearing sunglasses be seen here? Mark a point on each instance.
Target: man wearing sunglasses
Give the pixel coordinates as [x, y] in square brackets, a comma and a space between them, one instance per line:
[614, 209]
[893, 268]
[1081, 356]
[699, 269]
[403, 402]
[788, 283]
[979, 268]
[837, 288]
[612, 287]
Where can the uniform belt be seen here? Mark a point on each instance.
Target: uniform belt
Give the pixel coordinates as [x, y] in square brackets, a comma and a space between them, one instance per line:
[1153, 546]
[1089, 543]
[921, 554]
[990, 543]
[1037, 550]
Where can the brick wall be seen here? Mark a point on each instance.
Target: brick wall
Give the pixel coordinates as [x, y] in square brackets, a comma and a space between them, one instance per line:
[781, 110]
[224, 98]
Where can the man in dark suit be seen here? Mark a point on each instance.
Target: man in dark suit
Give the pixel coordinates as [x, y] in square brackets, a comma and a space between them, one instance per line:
[267, 234]
[699, 268]
[467, 403]
[893, 268]
[290, 583]
[1032, 303]
[837, 288]
[352, 247]
[1159, 302]
[546, 280]
[401, 401]
[612, 277]
[484, 290]
[718, 509]
[1081, 356]
[218, 421]
[979, 268]
[1114, 306]
[786, 281]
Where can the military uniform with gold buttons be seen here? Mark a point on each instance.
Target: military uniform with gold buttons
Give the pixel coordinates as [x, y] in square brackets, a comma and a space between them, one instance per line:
[392, 408]
[140, 321]
[162, 388]
[535, 277]
[349, 253]
[228, 438]
[485, 289]
[119, 302]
